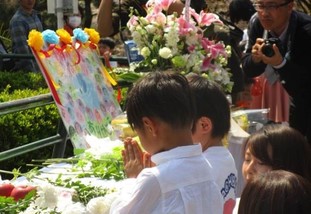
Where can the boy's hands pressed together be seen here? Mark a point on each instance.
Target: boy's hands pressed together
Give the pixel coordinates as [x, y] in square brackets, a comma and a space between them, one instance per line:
[135, 160]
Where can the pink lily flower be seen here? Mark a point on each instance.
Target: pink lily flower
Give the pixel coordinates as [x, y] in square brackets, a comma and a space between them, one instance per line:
[184, 26]
[217, 49]
[206, 43]
[205, 19]
[165, 3]
[206, 63]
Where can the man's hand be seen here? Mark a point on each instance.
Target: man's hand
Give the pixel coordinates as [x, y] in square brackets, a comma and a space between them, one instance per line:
[276, 59]
[256, 50]
[258, 56]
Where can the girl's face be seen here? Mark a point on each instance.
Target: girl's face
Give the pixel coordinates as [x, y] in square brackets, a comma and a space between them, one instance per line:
[252, 167]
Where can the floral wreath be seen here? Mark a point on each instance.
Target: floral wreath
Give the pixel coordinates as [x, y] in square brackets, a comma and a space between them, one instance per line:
[180, 43]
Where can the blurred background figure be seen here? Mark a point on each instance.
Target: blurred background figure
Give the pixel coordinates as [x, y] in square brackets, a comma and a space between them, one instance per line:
[106, 46]
[240, 12]
[23, 21]
[72, 21]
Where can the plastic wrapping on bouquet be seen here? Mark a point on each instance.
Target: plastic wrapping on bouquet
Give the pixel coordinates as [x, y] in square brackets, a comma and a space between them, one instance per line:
[132, 52]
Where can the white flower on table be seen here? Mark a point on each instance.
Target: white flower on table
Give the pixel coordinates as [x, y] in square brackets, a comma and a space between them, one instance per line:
[75, 208]
[101, 204]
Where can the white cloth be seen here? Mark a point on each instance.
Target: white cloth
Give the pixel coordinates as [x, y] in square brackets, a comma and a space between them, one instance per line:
[182, 182]
[225, 173]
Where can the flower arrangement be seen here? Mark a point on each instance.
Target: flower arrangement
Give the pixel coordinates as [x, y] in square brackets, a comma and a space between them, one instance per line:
[180, 43]
[86, 184]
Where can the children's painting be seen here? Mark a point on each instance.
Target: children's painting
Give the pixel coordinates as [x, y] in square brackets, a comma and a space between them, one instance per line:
[79, 83]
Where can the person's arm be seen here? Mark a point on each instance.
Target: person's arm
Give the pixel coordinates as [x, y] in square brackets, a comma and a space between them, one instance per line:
[104, 18]
[250, 67]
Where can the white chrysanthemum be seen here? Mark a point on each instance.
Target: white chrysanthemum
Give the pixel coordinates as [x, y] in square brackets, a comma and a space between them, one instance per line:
[100, 204]
[165, 53]
[47, 196]
[76, 208]
[33, 209]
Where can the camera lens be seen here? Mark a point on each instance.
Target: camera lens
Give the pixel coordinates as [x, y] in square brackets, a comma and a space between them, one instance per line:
[267, 50]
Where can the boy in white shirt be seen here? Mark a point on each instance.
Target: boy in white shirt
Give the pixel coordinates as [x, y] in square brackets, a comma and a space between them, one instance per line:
[211, 124]
[160, 109]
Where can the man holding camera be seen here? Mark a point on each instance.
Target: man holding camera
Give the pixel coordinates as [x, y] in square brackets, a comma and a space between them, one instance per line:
[279, 45]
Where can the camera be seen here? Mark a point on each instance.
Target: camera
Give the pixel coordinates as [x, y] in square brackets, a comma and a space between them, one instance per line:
[267, 49]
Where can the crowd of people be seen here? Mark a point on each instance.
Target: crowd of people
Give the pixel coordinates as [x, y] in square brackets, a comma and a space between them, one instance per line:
[181, 164]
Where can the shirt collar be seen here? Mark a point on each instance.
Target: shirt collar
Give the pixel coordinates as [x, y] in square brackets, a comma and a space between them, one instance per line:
[283, 34]
[179, 152]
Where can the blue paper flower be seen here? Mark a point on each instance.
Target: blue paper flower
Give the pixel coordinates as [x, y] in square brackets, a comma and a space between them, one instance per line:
[50, 37]
[80, 35]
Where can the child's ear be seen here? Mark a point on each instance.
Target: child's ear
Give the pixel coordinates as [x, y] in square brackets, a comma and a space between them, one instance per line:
[150, 126]
[205, 124]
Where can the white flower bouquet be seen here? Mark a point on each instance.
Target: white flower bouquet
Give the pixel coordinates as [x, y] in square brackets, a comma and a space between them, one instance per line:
[180, 43]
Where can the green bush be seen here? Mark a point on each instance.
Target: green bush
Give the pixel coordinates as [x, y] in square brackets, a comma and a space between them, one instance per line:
[20, 128]
[21, 80]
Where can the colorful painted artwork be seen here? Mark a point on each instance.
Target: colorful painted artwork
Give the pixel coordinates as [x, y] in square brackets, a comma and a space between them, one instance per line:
[78, 81]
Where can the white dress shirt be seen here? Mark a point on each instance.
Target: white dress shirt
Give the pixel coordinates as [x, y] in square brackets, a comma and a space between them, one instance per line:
[181, 182]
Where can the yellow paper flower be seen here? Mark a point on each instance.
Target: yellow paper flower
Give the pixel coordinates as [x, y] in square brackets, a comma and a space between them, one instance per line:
[94, 35]
[64, 36]
[35, 40]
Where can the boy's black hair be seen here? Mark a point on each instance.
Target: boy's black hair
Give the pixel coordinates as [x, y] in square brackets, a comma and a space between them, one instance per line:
[107, 41]
[210, 102]
[163, 95]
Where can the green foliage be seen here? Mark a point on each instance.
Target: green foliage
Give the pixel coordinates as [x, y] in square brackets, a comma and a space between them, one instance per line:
[108, 166]
[20, 128]
[84, 193]
[21, 80]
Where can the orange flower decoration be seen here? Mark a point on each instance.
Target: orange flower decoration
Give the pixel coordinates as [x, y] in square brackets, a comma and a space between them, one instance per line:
[94, 35]
[64, 36]
[35, 40]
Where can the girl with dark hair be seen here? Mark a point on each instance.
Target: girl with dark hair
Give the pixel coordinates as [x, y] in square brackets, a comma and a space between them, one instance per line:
[276, 147]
